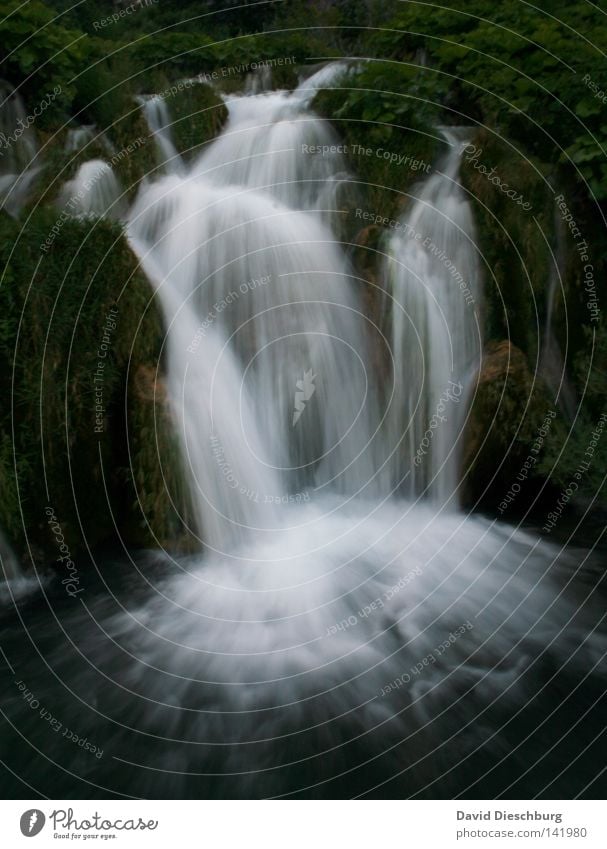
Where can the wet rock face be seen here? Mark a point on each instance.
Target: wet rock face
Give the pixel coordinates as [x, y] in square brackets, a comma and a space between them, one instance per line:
[501, 450]
[159, 513]
[149, 386]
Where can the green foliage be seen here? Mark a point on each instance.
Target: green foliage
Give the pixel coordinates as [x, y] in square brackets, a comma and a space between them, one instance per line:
[514, 66]
[172, 52]
[198, 114]
[103, 90]
[395, 94]
[380, 108]
[515, 242]
[38, 54]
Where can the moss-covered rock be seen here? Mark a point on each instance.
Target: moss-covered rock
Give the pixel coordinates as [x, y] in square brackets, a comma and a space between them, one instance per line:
[516, 235]
[197, 114]
[578, 453]
[78, 321]
[385, 156]
[518, 245]
[507, 414]
[134, 156]
[162, 513]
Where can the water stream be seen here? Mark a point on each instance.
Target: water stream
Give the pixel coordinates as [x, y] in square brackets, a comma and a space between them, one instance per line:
[432, 272]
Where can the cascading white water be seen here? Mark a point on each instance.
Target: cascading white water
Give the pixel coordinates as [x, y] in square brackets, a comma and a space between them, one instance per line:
[432, 273]
[213, 414]
[95, 190]
[14, 582]
[77, 137]
[259, 80]
[156, 113]
[238, 250]
[18, 149]
[336, 645]
[274, 143]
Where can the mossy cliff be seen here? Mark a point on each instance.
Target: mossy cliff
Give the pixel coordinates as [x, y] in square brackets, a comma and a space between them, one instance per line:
[78, 327]
[526, 246]
[531, 213]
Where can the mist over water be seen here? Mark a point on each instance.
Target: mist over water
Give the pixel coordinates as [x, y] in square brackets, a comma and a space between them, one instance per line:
[344, 622]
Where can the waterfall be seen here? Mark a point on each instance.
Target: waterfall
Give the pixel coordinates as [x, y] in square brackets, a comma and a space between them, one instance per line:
[156, 114]
[249, 273]
[259, 80]
[432, 274]
[95, 190]
[334, 639]
[213, 414]
[77, 137]
[267, 141]
[14, 582]
[18, 149]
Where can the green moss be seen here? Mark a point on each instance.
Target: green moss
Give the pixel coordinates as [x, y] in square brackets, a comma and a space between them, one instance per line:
[78, 320]
[376, 121]
[570, 447]
[161, 513]
[507, 412]
[135, 155]
[516, 247]
[515, 242]
[198, 115]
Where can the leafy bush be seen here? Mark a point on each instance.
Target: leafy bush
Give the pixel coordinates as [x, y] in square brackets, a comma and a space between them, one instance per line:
[38, 55]
[514, 64]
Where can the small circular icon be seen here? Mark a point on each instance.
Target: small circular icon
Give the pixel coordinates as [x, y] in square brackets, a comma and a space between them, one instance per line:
[32, 822]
